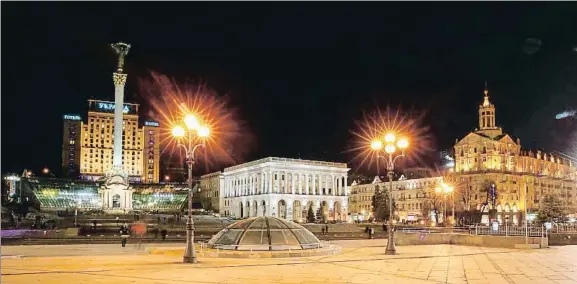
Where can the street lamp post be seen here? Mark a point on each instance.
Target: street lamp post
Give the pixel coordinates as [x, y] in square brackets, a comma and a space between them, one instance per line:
[390, 159]
[190, 140]
[446, 189]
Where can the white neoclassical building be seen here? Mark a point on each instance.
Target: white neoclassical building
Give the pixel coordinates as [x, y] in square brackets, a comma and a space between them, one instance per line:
[285, 188]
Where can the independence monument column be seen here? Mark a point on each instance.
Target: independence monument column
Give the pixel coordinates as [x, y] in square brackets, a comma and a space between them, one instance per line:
[116, 194]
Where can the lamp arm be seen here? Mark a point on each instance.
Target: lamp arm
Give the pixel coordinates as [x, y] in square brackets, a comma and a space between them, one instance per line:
[193, 150]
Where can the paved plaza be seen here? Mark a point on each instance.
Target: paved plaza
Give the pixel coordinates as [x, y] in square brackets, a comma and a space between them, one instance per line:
[361, 262]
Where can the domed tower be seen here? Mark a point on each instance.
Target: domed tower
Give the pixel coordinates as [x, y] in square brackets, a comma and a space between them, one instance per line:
[487, 125]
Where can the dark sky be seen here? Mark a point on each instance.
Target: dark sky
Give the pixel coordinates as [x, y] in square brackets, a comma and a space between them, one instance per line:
[298, 72]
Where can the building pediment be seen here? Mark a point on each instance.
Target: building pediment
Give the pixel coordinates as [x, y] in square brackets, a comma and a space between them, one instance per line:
[507, 139]
[472, 138]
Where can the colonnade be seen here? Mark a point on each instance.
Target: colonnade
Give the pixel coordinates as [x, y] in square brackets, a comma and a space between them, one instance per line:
[286, 182]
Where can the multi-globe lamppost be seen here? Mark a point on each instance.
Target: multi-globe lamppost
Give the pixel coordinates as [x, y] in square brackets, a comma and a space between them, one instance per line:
[390, 158]
[190, 140]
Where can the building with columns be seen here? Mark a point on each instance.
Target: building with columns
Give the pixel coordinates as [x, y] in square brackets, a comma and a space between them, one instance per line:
[285, 188]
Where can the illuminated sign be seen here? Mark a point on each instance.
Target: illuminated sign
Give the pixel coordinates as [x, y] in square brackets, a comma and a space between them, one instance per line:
[151, 123]
[72, 117]
[111, 106]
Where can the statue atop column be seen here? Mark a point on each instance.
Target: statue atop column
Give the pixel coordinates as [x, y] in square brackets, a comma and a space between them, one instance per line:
[121, 49]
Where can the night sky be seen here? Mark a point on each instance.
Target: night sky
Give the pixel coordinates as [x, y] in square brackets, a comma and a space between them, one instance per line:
[299, 73]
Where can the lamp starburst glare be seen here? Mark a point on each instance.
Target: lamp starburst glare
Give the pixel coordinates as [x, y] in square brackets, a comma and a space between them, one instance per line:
[376, 145]
[390, 148]
[178, 131]
[390, 138]
[203, 131]
[403, 143]
[191, 122]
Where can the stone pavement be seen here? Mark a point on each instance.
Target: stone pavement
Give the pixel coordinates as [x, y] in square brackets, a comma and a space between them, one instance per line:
[361, 262]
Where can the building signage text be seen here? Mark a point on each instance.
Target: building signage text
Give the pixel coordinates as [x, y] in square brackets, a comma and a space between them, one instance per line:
[111, 106]
[72, 117]
[151, 123]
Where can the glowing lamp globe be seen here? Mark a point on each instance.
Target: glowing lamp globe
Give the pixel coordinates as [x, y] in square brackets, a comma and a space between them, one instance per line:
[403, 143]
[390, 138]
[390, 148]
[178, 131]
[376, 145]
[191, 122]
[203, 131]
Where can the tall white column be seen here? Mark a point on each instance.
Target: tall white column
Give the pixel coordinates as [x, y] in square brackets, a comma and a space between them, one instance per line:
[119, 80]
[270, 183]
[292, 184]
[277, 183]
[286, 183]
[345, 186]
[314, 177]
[306, 183]
[300, 175]
[320, 184]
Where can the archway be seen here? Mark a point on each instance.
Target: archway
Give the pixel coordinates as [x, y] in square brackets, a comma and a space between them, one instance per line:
[282, 209]
[324, 211]
[263, 208]
[116, 201]
[241, 210]
[255, 209]
[338, 211]
[297, 211]
[248, 211]
[305, 211]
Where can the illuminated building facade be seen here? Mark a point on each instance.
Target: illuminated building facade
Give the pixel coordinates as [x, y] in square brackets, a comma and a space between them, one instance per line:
[210, 197]
[151, 152]
[489, 158]
[93, 143]
[71, 145]
[285, 188]
[409, 194]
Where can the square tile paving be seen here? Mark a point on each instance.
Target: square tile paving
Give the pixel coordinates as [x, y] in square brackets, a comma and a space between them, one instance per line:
[362, 261]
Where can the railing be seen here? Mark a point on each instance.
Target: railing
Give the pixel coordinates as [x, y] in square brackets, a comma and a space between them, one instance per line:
[518, 231]
[271, 248]
[563, 228]
[482, 230]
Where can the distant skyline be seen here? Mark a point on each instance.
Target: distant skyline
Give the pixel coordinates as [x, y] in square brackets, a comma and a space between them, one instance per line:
[298, 75]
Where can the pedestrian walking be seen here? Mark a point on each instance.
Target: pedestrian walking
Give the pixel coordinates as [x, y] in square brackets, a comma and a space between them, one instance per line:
[124, 234]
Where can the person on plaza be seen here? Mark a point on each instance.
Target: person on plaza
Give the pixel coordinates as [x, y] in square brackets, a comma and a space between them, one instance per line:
[163, 233]
[327, 228]
[139, 231]
[323, 230]
[124, 234]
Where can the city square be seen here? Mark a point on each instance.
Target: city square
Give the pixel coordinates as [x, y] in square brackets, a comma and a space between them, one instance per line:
[295, 145]
[362, 261]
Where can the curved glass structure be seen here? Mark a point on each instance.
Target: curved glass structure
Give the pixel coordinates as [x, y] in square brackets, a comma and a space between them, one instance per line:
[262, 234]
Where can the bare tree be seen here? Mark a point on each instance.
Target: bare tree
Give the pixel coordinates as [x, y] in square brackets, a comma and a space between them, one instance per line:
[433, 202]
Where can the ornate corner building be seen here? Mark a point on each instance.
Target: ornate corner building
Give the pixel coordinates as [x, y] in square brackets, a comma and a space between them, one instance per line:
[506, 177]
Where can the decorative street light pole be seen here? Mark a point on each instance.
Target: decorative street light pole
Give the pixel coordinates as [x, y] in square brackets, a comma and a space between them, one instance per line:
[190, 140]
[389, 150]
[446, 189]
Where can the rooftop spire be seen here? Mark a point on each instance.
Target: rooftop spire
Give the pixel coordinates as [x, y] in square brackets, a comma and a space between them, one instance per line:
[486, 98]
